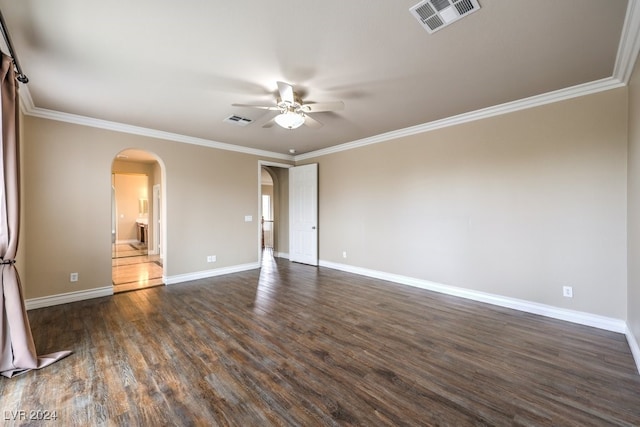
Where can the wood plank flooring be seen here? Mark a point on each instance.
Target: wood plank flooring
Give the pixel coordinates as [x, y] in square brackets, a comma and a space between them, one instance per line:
[296, 345]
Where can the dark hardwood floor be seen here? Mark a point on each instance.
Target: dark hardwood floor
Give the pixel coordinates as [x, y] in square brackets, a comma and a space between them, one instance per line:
[303, 346]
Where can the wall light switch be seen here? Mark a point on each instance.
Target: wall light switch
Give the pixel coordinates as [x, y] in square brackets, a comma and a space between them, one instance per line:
[248, 218]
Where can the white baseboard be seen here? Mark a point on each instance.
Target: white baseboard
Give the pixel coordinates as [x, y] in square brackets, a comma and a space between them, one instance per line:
[51, 300]
[172, 280]
[588, 319]
[124, 242]
[601, 322]
[635, 348]
[57, 299]
[579, 317]
[281, 255]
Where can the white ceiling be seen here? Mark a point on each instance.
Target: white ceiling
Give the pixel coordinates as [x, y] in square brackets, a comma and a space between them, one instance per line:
[177, 67]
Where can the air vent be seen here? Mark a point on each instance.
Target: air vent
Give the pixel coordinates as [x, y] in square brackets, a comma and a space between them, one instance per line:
[434, 15]
[237, 120]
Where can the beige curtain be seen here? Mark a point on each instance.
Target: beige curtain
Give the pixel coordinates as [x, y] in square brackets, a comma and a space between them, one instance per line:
[17, 350]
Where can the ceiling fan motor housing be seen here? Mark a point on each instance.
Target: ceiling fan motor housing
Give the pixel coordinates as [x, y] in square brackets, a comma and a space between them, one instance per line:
[293, 113]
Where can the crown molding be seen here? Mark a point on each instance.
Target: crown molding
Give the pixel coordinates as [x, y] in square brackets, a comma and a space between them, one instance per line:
[29, 109]
[496, 110]
[629, 43]
[625, 62]
[627, 55]
[26, 102]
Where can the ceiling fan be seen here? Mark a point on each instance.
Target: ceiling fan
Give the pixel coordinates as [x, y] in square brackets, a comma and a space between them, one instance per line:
[293, 112]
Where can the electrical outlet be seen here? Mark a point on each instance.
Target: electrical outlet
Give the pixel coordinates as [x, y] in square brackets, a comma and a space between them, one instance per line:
[73, 277]
[211, 258]
[344, 254]
[567, 291]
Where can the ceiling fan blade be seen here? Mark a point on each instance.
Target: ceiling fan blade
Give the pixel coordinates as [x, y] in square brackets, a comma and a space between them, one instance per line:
[312, 123]
[322, 106]
[270, 123]
[262, 107]
[286, 92]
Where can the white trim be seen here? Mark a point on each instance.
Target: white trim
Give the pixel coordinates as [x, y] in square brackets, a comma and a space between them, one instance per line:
[588, 319]
[626, 57]
[629, 43]
[560, 95]
[152, 133]
[275, 164]
[180, 278]
[628, 49]
[68, 297]
[635, 348]
[26, 102]
[496, 110]
[125, 242]
[65, 298]
[157, 197]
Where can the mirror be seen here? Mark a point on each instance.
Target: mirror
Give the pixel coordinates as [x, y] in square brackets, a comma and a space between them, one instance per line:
[143, 206]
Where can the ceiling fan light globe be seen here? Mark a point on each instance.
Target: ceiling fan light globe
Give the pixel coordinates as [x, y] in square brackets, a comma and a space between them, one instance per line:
[290, 120]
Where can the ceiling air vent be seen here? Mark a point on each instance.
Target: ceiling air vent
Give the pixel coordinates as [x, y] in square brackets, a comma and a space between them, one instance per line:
[434, 15]
[237, 120]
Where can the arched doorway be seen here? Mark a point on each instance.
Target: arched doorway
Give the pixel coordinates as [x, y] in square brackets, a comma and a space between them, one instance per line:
[268, 205]
[273, 239]
[137, 233]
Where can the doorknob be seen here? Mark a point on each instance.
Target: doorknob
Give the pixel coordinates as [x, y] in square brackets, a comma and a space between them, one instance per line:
[313, 228]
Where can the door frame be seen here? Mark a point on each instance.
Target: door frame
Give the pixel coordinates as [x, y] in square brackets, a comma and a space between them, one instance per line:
[156, 214]
[162, 208]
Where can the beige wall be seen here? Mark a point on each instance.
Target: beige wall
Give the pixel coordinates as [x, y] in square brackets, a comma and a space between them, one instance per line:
[517, 205]
[67, 203]
[633, 297]
[281, 189]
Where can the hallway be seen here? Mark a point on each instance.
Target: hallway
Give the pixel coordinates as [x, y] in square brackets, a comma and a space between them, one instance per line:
[133, 268]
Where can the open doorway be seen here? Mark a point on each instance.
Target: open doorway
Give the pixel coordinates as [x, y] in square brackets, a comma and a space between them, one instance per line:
[273, 238]
[137, 251]
[268, 214]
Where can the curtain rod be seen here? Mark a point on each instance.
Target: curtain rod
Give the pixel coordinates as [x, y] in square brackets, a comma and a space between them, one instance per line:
[21, 77]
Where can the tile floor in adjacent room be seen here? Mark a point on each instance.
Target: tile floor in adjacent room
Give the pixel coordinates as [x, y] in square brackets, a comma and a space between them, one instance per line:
[133, 268]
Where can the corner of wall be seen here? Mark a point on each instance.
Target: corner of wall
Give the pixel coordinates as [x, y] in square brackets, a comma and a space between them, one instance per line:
[635, 348]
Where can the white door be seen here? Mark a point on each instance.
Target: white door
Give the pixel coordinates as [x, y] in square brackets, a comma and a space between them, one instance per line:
[303, 214]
